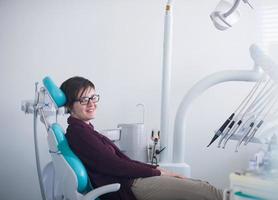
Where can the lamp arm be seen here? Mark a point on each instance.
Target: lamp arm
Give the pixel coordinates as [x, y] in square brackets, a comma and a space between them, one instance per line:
[178, 150]
[232, 9]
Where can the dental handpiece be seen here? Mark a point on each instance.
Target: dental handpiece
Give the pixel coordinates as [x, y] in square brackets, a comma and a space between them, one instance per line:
[244, 135]
[232, 133]
[226, 131]
[262, 120]
[253, 132]
[221, 129]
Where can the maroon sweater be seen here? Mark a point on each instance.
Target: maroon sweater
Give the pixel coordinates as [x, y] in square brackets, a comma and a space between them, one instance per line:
[104, 162]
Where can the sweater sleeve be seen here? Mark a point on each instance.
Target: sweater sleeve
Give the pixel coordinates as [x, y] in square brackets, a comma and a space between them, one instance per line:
[148, 165]
[126, 157]
[98, 156]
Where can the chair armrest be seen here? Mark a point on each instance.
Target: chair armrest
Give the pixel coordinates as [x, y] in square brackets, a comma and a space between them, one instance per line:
[95, 193]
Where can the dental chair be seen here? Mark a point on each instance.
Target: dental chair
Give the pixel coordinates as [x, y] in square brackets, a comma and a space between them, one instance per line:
[65, 177]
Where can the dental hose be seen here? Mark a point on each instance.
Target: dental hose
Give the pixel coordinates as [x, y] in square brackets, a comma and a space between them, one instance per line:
[262, 120]
[262, 106]
[36, 142]
[233, 128]
[243, 103]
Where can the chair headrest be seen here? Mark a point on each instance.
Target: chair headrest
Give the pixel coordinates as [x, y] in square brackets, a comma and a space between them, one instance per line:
[55, 92]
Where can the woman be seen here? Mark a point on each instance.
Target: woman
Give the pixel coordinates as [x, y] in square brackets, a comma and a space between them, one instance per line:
[106, 164]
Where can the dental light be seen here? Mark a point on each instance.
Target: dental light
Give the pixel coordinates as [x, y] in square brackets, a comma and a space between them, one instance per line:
[226, 14]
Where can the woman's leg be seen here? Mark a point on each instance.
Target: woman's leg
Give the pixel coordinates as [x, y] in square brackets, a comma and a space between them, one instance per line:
[170, 188]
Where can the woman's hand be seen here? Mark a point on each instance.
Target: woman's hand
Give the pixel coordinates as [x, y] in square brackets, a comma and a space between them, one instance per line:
[165, 172]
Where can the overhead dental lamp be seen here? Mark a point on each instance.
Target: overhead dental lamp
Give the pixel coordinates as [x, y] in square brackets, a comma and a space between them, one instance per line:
[226, 14]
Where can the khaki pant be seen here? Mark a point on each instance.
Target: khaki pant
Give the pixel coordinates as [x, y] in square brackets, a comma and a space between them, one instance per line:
[170, 188]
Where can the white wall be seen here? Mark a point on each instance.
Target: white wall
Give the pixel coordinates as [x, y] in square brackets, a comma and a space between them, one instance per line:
[118, 45]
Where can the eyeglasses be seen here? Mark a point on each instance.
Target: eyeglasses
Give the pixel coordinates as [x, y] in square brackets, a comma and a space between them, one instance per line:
[85, 100]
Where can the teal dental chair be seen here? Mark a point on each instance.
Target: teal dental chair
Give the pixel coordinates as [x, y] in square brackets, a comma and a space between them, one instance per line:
[65, 177]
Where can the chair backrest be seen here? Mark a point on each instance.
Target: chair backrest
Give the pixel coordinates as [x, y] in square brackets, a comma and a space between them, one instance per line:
[61, 152]
[73, 161]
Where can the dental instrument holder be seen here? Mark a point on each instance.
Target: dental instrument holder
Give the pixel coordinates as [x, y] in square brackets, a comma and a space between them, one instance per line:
[155, 149]
[265, 63]
[254, 75]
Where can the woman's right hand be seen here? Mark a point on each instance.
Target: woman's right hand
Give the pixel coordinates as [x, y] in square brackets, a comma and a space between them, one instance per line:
[165, 172]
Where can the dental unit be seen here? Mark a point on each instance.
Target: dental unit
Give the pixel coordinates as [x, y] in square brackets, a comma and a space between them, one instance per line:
[59, 180]
[262, 104]
[258, 112]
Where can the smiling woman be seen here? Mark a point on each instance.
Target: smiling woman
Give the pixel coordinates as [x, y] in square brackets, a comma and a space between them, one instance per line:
[106, 164]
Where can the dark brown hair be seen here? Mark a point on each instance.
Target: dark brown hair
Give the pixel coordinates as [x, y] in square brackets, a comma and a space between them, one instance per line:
[72, 87]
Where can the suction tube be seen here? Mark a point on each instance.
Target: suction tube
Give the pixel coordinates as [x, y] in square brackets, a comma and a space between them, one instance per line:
[36, 142]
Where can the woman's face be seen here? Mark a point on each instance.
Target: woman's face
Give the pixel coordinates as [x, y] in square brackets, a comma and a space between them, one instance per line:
[85, 109]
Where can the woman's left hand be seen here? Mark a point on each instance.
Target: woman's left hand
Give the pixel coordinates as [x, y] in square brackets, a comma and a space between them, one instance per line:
[165, 172]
